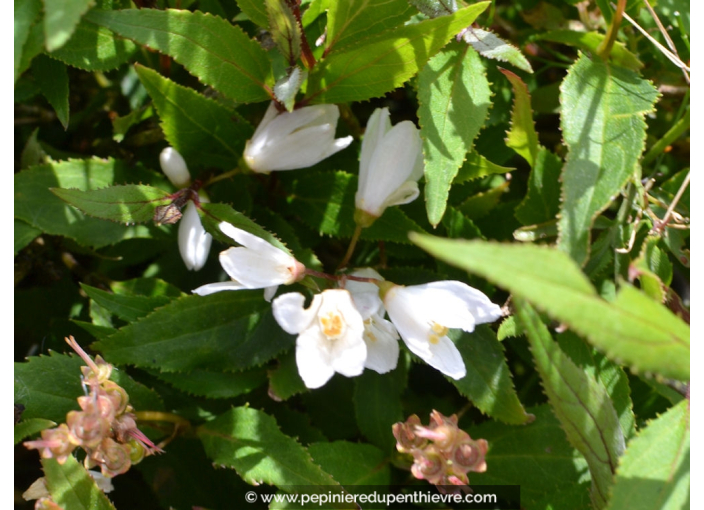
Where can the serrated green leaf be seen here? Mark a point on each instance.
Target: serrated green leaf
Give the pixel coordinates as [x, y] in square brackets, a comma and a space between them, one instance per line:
[611, 376]
[216, 52]
[97, 331]
[284, 380]
[489, 45]
[255, 11]
[654, 470]
[204, 131]
[30, 427]
[377, 405]
[216, 213]
[580, 402]
[149, 287]
[349, 22]
[522, 137]
[508, 328]
[589, 42]
[476, 166]
[52, 78]
[542, 201]
[127, 308]
[209, 384]
[32, 47]
[24, 234]
[48, 387]
[26, 13]
[460, 226]
[454, 98]
[95, 48]
[251, 442]
[632, 329]
[385, 61]
[61, 18]
[225, 331]
[70, 486]
[488, 382]
[325, 202]
[133, 203]
[603, 126]
[39, 207]
[352, 464]
[481, 204]
[284, 29]
[537, 457]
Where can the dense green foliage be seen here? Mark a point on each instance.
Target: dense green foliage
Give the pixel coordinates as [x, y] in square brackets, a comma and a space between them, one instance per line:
[555, 145]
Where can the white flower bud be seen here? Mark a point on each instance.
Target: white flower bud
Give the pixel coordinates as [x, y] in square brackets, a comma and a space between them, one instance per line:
[193, 241]
[297, 139]
[174, 166]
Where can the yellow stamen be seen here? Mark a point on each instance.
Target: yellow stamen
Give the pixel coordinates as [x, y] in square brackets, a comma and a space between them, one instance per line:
[332, 325]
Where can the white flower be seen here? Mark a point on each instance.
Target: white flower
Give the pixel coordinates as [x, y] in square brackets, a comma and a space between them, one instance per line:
[379, 334]
[254, 265]
[329, 334]
[193, 241]
[390, 163]
[174, 166]
[297, 139]
[423, 314]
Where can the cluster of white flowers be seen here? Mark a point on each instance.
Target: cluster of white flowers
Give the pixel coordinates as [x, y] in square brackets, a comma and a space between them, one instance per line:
[344, 329]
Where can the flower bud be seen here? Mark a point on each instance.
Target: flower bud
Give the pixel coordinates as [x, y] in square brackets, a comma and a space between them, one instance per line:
[297, 139]
[193, 241]
[174, 167]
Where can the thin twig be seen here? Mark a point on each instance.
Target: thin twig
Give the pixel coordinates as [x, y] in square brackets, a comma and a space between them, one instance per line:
[659, 226]
[665, 35]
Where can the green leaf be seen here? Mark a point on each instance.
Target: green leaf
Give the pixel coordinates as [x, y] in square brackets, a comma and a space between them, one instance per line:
[489, 45]
[209, 384]
[454, 99]
[284, 29]
[611, 376]
[460, 226]
[579, 401]
[589, 42]
[537, 457]
[255, 11]
[70, 486]
[522, 137]
[481, 204]
[149, 287]
[632, 329]
[284, 381]
[377, 405]
[120, 125]
[52, 78]
[39, 207]
[32, 47]
[61, 18]
[386, 61]
[225, 331]
[133, 203]
[24, 234]
[476, 166]
[349, 22]
[352, 464]
[542, 201]
[603, 126]
[95, 48]
[26, 13]
[654, 470]
[216, 52]
[205, 132]
[48, 387]
[325, 202]
[28, 428]
[127, 308]
[216, 213]
[251, 442]
[488, 381]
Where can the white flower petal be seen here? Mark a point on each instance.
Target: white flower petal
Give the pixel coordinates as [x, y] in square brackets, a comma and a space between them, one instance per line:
[253, 270]
[313, 363]
[212, 288]
[291, 315]
[365, 295]
[193, 241]
[382, 344]
[446, 358]
[270, 292]
[297, 139]
[174, 167]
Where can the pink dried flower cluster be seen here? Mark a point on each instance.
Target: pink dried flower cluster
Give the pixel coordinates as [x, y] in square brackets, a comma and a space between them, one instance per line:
[442, 453]
[104, 427]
